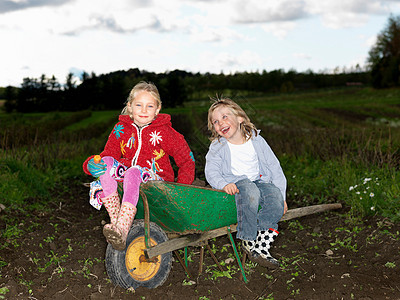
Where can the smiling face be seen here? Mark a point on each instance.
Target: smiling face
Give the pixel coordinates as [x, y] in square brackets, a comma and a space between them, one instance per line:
[144, 108]
[227, 124]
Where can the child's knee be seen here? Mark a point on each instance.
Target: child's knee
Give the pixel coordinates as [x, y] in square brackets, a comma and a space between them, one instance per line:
[132, 173]
[108, 160]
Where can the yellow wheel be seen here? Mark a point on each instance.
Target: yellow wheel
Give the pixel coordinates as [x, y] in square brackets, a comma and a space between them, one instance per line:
[140, 268]
[130, 268]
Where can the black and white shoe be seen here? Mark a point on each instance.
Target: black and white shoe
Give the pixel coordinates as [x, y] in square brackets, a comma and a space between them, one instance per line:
[262, 246]
[248, 247]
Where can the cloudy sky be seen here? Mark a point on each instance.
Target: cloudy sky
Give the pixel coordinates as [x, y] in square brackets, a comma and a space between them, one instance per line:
[55, 37]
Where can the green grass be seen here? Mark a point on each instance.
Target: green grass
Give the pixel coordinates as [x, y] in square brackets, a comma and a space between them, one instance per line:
[365, 191]
[95, 118]
[19, 181]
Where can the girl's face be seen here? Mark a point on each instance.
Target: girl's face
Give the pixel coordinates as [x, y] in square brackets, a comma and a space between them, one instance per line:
[144, 108]
[227, 125]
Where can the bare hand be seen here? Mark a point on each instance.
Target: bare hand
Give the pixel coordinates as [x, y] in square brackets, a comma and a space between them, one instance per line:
[231, 189]
[285, 208]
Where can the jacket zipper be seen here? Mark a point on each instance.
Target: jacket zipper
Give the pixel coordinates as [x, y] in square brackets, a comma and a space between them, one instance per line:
[139, 134]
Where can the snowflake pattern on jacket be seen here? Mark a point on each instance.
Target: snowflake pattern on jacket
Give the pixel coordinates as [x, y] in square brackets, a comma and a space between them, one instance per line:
[150, 146]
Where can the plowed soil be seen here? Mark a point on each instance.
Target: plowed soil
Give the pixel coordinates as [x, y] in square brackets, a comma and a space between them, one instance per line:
[60, 254]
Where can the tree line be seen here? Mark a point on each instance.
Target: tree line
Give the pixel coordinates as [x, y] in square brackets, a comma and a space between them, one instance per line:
[109, 91]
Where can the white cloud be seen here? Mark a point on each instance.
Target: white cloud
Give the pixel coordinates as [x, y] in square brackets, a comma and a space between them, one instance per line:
[254, 11]
[228, 62]
[279, 29]
[302, 56]
[53, 36]
[15, 5]
[208, 34]
[346, 13]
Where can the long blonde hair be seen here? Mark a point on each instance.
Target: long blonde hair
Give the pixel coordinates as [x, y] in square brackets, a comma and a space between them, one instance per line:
[142, 86]
[247, 128]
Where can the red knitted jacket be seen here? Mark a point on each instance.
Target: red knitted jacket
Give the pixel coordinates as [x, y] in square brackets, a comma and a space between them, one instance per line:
[149, 146]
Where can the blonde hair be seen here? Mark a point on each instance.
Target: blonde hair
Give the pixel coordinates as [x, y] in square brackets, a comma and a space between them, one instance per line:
[142, 86]
[247, 128]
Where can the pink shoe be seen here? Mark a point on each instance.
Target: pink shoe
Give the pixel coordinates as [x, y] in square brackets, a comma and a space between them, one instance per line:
[116, 234]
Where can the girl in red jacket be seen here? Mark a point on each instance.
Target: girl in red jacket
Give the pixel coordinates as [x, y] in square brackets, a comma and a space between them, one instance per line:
[137, 150]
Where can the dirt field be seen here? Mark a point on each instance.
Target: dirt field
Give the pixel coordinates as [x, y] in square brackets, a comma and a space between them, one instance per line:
[60, 255]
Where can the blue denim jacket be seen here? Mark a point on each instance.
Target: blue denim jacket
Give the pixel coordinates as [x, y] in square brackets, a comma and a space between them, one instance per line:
[218, 169]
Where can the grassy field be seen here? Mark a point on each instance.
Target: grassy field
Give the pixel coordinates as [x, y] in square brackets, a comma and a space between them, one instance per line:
[334, 146]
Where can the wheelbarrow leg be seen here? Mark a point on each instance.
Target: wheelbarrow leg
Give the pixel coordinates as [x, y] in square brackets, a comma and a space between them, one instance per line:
[186, 257]
[243, 263]
[201, 260]
[214, 258]
[146, 219]
[183, 264]
[236, 254]
[212, 255]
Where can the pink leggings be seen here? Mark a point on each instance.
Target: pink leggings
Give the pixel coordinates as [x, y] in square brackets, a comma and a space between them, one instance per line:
[131, 183]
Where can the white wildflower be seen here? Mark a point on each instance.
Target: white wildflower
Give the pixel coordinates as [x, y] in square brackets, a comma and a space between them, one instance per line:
[358, 193]
[372, 207]
[371, 195]
[351, 188]
[366, 180]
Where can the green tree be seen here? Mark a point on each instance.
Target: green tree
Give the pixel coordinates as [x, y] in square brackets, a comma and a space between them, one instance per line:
[10, 94]
[384, 56]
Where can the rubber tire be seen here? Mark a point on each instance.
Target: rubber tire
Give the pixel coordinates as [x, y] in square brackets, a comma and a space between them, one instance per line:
[115, 260]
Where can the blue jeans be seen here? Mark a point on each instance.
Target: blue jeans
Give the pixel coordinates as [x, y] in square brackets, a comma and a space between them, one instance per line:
[259, 207]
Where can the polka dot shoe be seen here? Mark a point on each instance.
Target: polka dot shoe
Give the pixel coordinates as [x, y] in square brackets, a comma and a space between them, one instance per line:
[263, 244]
[116, 234]
[248, 247]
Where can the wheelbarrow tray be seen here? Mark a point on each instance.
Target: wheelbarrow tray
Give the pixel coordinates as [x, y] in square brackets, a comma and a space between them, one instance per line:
[182, 209]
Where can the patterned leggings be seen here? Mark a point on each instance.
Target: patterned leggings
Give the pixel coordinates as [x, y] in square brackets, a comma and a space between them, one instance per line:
[116, 172]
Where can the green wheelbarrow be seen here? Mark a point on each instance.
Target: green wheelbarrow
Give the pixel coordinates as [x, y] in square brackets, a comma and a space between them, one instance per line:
[173, 216]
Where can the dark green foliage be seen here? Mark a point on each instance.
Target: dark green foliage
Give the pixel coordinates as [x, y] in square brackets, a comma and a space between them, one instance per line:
[384, 56]
[110, 91]
[172, 89]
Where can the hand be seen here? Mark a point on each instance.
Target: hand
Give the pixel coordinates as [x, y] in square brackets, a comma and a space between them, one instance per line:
[96, 169]
[231, 189]
[285, 208]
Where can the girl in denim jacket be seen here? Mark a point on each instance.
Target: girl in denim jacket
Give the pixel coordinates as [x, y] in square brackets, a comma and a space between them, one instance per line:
[240, 162]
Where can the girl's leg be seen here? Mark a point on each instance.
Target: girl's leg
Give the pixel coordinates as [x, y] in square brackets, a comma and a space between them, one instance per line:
[110, 197]
[117, 235]
[132, 181]
[271, 211]
[271, 206]
[108, 183]
[247, 203]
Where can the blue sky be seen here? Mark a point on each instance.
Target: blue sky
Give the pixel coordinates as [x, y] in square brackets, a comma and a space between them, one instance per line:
[55, 37]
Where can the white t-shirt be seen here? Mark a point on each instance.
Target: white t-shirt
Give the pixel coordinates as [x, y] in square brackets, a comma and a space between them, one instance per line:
[244, 160]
